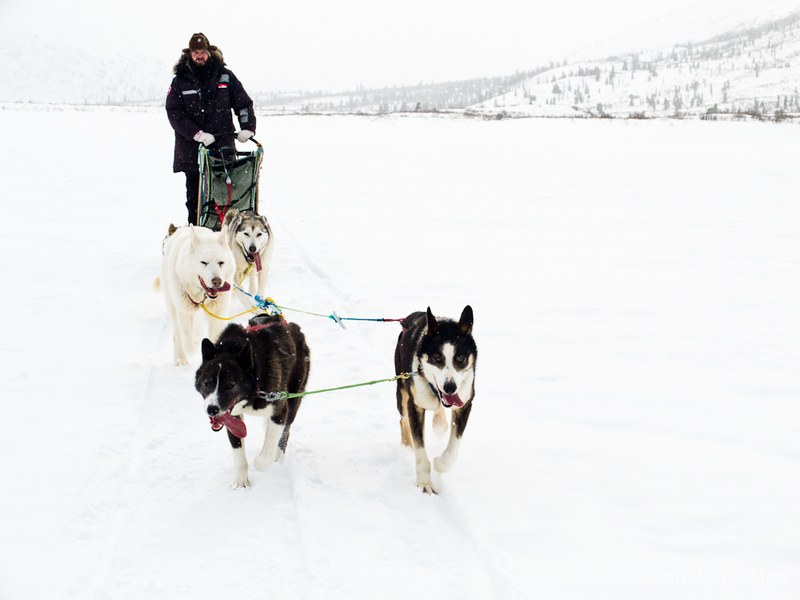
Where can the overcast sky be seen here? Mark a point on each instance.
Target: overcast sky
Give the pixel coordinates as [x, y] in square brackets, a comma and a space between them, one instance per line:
[297, 44]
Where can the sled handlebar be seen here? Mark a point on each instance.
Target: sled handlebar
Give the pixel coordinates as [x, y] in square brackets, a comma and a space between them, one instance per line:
[233, 133]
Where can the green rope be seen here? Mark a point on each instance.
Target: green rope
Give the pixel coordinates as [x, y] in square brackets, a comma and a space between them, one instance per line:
[305, 312]
[272, 396]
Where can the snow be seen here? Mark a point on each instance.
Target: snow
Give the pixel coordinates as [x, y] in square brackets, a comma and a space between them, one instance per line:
[749, 69]
[635, 429]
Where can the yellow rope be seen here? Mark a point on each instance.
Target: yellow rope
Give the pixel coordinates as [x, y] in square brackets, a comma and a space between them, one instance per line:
[238, 285]
[210, 314]
[246, 271]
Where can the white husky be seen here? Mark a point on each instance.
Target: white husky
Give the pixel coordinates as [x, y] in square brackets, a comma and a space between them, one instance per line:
[197, 269]
[251, 240]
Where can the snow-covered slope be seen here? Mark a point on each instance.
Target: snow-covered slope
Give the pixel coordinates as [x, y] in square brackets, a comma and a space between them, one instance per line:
[754, 69]
[52, 71]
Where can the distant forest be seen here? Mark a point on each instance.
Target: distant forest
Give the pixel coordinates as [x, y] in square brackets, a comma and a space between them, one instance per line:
[423, 97]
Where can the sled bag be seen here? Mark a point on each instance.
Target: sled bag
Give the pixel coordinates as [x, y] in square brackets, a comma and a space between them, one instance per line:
[214, 198]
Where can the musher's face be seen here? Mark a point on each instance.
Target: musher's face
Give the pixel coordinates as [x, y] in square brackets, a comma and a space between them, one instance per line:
[200, 57]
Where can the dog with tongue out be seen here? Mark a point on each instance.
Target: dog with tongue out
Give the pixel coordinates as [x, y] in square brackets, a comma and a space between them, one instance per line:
[441, 354]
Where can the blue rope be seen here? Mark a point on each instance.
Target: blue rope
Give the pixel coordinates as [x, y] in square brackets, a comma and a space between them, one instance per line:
[379, 320]
[267, 304]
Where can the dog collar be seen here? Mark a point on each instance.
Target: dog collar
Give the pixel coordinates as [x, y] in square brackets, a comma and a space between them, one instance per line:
[434, 389]
[189, 296]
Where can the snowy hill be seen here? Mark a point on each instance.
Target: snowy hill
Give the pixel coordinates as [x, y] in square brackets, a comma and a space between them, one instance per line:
[751, 69]
[43, 71]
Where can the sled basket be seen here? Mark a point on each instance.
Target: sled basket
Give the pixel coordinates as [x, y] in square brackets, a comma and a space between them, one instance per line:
[214, 196]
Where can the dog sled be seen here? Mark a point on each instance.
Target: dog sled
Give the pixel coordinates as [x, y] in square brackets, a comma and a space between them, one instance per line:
[228, 179]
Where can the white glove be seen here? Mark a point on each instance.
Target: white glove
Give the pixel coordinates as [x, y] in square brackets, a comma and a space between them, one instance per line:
[244, 135]
[204, 138]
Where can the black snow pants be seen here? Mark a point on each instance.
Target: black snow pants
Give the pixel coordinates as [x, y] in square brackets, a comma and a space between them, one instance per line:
[192, 190]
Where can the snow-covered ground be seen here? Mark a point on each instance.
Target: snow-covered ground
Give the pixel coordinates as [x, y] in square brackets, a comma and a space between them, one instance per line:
[635, 432]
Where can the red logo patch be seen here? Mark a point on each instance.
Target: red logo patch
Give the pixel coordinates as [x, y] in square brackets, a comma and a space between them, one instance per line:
[222, 85]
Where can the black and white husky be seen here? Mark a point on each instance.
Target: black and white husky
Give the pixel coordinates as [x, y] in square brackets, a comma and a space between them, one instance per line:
[442, 355]
[252, 243]
[236, 377]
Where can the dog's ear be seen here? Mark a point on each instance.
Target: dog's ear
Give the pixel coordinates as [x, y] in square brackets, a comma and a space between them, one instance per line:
[207, 349]
[230, 215]
[192, 235]
[465, 322]
[264, 221]
[432, 323]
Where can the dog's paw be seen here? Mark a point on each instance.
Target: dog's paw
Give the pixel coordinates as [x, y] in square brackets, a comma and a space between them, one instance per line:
[443, 463]
[180, 361]
[242, 483]
[424, 483]
[427, 488]
[262, 462]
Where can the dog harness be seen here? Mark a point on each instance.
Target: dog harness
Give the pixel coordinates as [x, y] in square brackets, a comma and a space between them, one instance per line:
[252, 328]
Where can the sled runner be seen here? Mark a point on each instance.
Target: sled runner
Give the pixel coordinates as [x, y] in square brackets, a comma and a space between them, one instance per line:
[228, 179]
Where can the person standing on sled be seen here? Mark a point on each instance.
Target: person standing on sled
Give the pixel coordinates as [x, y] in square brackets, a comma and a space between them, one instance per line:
[199, 104]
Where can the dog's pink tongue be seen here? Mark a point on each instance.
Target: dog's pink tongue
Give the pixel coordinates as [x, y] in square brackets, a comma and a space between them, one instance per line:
[453, 400]
[256, 259]
[223, 288]
[234, 425]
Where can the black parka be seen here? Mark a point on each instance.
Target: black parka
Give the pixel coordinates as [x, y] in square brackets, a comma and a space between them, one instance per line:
[193, 106]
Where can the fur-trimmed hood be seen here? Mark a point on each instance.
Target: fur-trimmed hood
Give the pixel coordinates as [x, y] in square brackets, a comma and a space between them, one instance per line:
[185, 61]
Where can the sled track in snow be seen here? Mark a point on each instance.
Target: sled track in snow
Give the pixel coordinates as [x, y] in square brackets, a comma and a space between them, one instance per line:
[451, 513]
[307, 261]
[139, 440]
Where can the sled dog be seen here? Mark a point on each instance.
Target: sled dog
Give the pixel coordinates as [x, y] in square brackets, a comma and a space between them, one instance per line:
[197, 268]
[237, 376]
[251, 241]
[442, 355]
